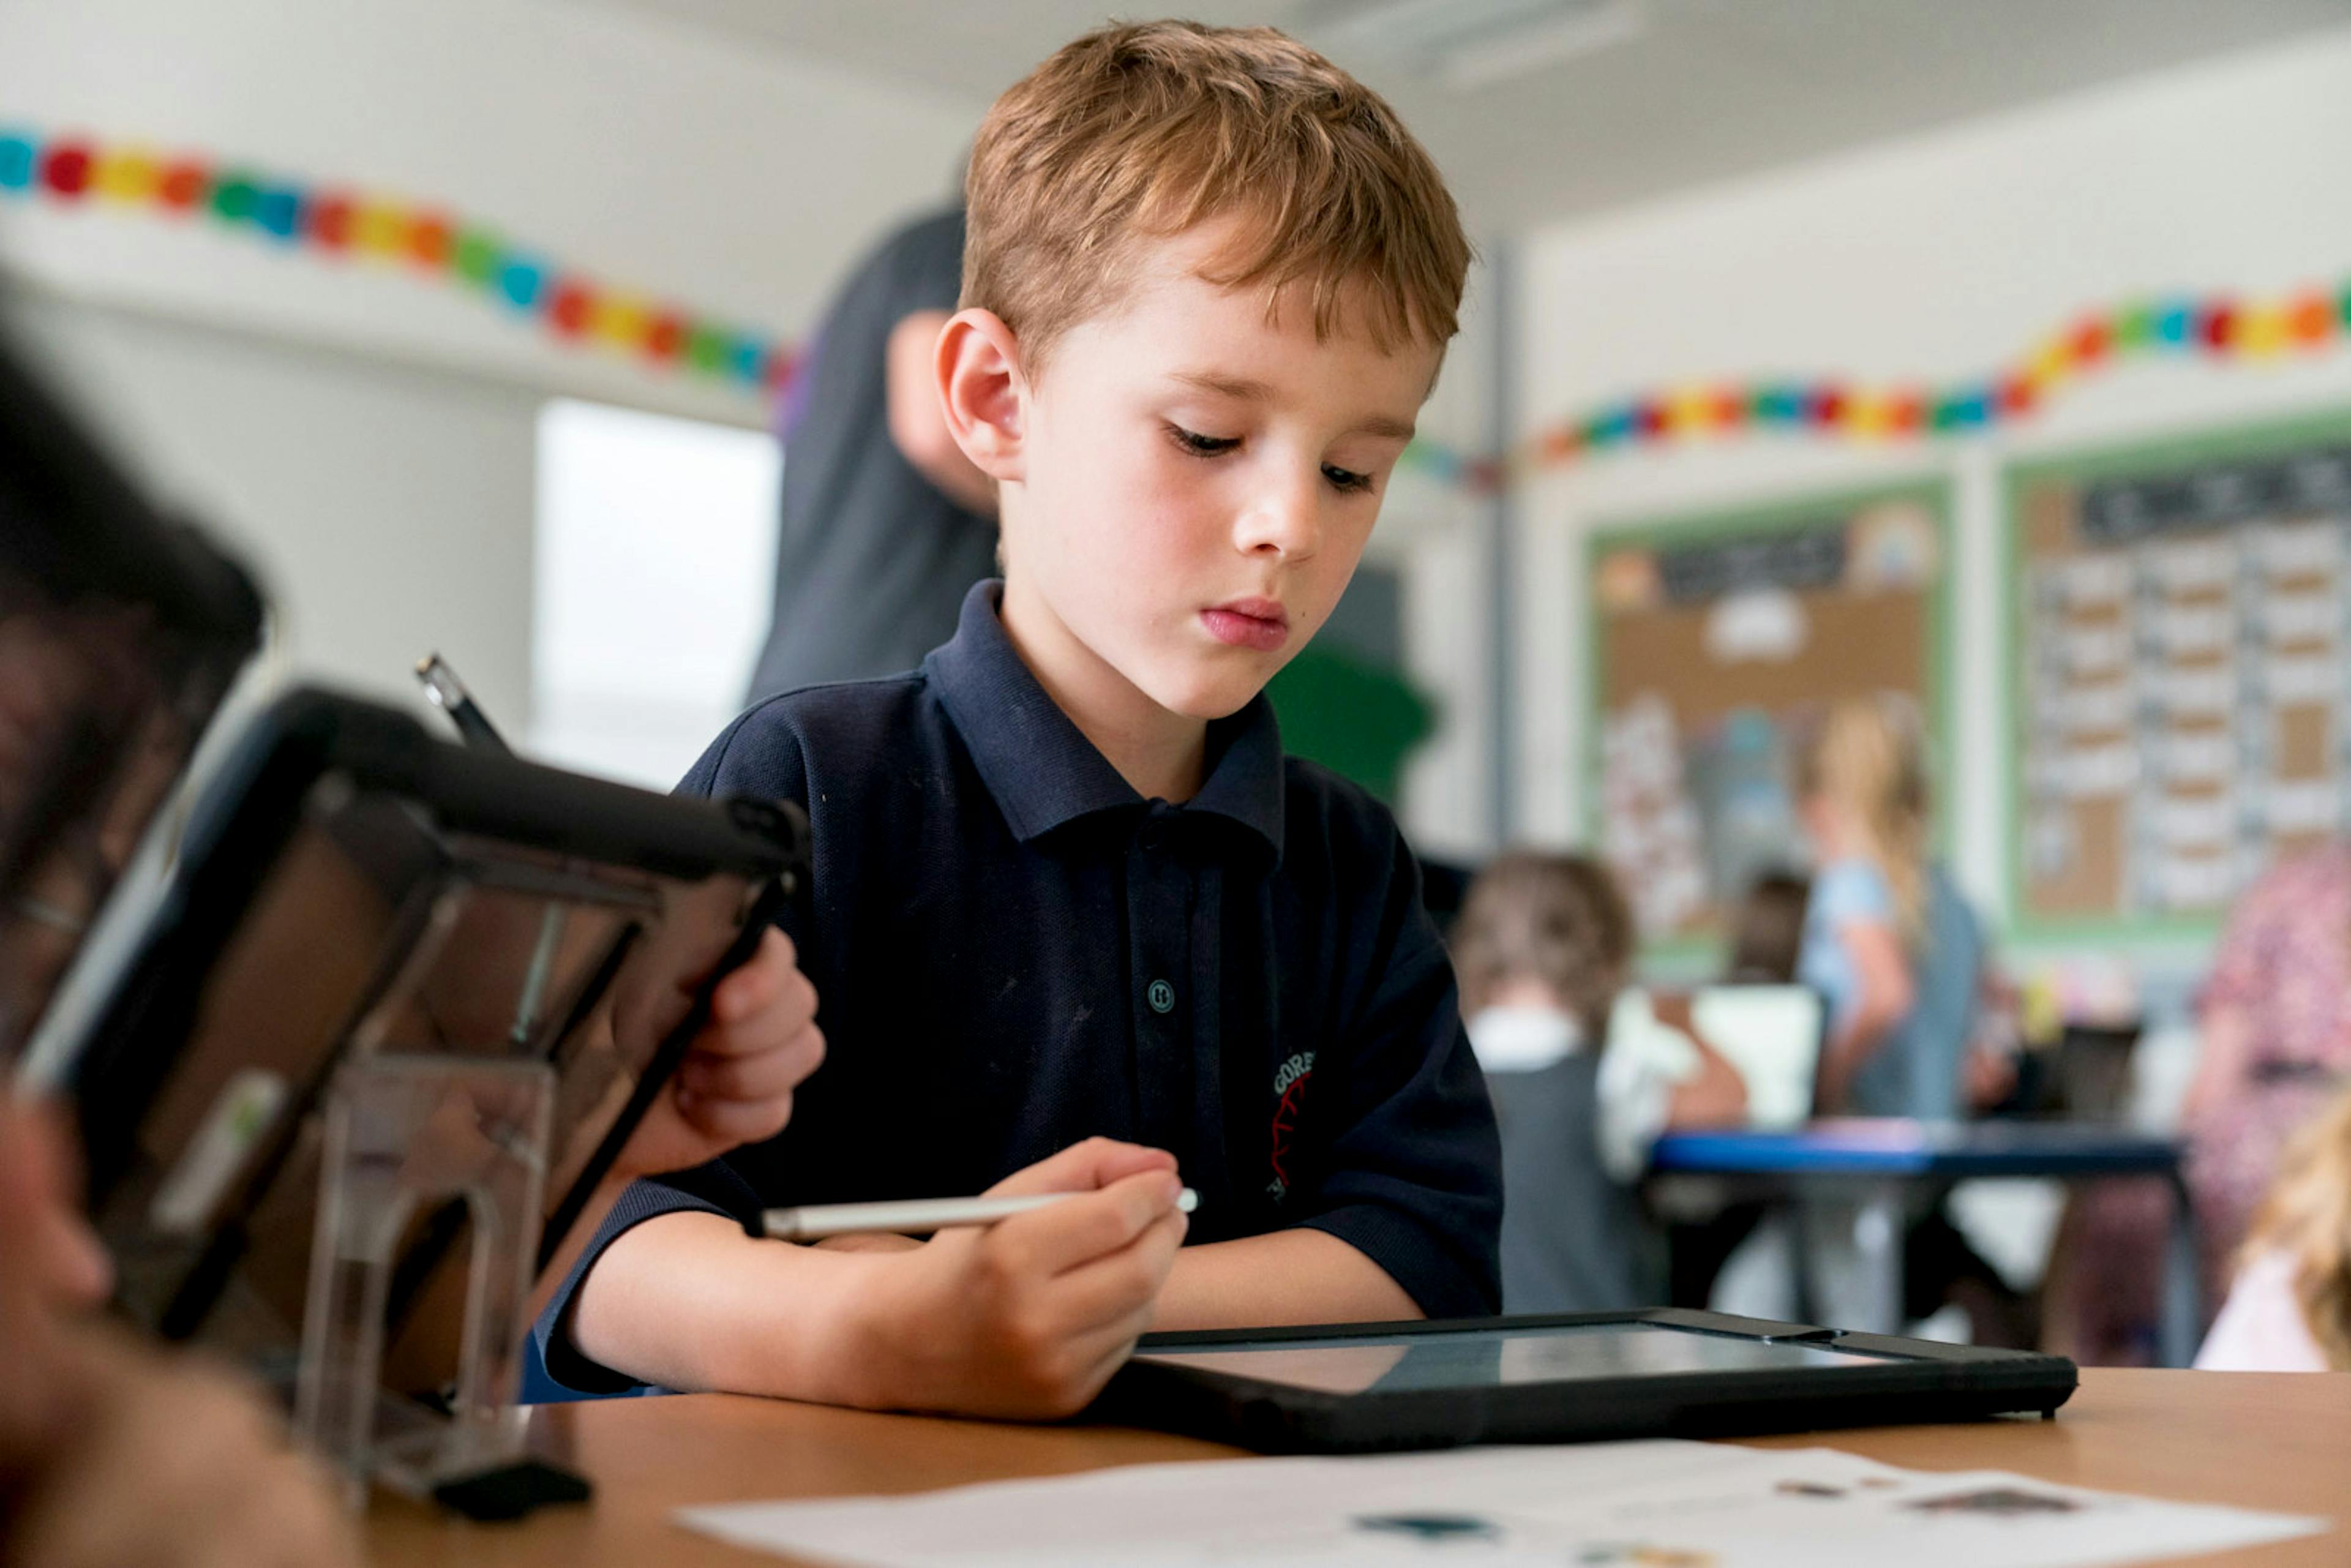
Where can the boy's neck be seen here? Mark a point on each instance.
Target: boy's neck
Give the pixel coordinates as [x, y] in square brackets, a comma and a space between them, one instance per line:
[1161, 754]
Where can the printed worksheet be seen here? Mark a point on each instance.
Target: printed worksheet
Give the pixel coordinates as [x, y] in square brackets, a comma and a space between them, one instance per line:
[1662, 1504]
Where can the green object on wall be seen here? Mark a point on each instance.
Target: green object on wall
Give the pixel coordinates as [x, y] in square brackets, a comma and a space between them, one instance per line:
[1353, 717]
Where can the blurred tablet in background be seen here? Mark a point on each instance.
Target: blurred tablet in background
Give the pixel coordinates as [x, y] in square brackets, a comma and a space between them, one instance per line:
[1772, 1034]
[119, 633]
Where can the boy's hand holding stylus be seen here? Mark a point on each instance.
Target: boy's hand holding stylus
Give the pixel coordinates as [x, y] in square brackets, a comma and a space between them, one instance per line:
[1028, 1317]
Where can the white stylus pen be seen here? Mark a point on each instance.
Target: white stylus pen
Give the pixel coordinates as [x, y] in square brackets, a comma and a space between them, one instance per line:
[914, 1217]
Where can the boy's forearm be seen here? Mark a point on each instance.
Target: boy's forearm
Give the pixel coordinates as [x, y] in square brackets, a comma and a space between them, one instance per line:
[1285, 1277]
[687, 1301]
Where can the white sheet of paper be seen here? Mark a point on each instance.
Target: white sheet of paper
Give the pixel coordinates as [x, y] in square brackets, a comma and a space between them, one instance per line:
[2299, 550]
[2209, 823]
[1691, 1505]
[2093, 772]
[2311, 616]
[2195, 691]
[2303, 805]
[2093, 651]
[2189, 629]
[2098, 710]
[2191, 566]
[2089, 582]
[2302, 678]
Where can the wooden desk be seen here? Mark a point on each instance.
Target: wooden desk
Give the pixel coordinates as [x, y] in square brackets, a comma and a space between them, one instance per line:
[2270, 1441]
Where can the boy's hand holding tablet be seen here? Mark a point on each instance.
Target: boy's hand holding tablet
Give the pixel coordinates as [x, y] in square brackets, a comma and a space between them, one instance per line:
[735, 1086]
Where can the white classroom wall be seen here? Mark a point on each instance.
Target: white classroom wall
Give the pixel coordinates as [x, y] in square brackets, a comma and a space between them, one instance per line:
[365, 435]
[1940, 257]
[1438, 540]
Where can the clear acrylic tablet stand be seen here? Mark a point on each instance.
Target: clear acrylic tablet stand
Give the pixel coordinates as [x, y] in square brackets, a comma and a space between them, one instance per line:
[408, 1135]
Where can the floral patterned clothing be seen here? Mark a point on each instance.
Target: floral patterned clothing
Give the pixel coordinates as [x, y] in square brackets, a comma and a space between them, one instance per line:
[2284, 966]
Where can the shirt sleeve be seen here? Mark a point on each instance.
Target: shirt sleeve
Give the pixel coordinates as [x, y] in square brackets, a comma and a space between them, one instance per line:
[714, 1188]
[766, 763]
[1643, 1062]
[1851, 891]
[2262, 1328]
[1416, 1171]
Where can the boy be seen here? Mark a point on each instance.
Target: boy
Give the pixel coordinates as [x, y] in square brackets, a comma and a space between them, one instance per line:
[1065, 884]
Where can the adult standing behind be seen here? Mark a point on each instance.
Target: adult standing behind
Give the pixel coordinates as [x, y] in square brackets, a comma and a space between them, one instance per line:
[2276, 1014]
[883, 522]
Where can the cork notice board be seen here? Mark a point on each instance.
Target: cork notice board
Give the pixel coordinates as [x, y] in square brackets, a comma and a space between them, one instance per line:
[2179, 622]
[1713, 641]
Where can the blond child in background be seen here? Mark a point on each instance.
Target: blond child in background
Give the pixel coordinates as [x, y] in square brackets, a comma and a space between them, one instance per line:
[2290, 1307]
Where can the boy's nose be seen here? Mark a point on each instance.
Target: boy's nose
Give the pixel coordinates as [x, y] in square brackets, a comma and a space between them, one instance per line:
[1284, 521]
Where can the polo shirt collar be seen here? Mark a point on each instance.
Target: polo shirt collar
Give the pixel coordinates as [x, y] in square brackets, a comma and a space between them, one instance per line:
[1040, 768]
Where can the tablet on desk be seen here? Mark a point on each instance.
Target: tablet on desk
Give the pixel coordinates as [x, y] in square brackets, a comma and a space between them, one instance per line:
[1666, 1372]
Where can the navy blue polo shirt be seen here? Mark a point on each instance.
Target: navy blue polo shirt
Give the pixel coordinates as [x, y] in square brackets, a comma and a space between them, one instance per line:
[1013, 951]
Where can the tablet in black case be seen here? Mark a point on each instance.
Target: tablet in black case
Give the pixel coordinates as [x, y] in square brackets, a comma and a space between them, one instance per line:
[119, 632]
[348, 885]
[1567, 1378]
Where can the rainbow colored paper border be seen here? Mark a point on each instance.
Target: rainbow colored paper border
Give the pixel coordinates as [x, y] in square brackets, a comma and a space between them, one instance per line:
[338, 224]
[571, 307]
[2222, 327]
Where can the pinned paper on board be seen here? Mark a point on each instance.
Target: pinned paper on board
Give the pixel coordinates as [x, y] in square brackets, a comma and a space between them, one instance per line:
[1652, 834]
[1715, 642]
[1759, 625]
[2214, 588]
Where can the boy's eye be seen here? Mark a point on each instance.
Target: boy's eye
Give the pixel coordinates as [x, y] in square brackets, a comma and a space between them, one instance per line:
[1200, 446]
[1346, 479]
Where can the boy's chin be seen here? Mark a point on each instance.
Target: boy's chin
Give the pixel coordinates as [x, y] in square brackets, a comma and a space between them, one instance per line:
[1205, 694]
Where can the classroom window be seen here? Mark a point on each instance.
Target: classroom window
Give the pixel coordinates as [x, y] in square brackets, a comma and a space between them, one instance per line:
[652, 582]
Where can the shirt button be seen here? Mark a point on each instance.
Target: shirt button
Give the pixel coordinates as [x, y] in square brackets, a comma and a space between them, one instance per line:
[1161, 996]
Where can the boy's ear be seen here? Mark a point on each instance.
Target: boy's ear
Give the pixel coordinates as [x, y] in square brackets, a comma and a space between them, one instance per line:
[981, 388]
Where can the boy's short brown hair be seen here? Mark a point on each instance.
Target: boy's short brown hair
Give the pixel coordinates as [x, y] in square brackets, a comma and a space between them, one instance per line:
[1145, 130]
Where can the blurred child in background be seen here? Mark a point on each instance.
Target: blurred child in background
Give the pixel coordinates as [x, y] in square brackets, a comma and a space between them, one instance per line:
[1767, 936]
[1767, 932]
[1900, 957]
[2290, 1307]
[1887, 939]
[1582, 1078]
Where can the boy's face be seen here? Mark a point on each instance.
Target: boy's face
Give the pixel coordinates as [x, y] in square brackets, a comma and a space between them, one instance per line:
[1192, 484]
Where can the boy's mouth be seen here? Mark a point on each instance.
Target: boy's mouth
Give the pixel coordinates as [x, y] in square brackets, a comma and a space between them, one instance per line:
[1259, 623]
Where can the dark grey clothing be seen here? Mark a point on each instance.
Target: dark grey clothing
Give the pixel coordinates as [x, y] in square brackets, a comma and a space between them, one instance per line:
[1572, 1240]
[871, 558]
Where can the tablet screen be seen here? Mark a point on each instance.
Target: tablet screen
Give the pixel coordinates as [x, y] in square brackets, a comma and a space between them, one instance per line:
[1771, 1034]
[1502, 1357]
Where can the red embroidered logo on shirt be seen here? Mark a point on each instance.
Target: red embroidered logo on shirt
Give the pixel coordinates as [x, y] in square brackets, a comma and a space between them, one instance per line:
[1288, 1086]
